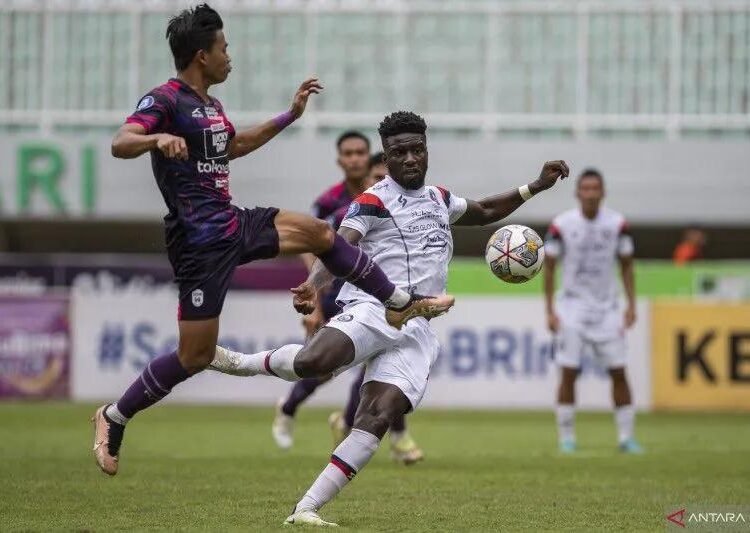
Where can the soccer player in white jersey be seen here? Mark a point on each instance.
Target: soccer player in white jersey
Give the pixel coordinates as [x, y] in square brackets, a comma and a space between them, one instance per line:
[405, 226]
[587, 313]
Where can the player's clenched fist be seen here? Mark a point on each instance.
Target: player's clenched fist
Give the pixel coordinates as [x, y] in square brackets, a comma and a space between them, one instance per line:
[171, 146]
[305, 298]
[551, 171]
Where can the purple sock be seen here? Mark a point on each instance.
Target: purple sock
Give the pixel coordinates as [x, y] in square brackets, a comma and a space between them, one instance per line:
[350, 263]
[353, 403]
[300, 392]
[154, 383]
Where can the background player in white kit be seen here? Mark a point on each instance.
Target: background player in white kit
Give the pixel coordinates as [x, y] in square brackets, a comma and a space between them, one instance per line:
[405, 226]
[587, 314]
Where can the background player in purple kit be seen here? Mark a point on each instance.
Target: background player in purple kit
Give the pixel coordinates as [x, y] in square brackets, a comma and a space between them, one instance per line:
[191, 142]
[360, 172]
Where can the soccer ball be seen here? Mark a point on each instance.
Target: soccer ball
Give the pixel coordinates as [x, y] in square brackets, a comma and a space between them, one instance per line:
[515, 253]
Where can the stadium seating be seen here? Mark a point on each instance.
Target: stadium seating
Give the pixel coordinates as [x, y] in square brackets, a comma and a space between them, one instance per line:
[451, 60]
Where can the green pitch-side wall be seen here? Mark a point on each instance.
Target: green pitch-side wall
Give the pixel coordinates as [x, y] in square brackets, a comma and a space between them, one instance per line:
[653, 278]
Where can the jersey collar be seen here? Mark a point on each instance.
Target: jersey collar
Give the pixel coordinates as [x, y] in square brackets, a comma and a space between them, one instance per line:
[406, 192]
[178, 83]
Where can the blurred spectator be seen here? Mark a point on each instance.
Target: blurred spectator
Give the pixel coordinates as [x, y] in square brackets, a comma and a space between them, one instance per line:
[691, 246]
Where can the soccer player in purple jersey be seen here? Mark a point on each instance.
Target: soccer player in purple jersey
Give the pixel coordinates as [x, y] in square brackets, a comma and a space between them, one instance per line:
[360, 172]
[191, 141]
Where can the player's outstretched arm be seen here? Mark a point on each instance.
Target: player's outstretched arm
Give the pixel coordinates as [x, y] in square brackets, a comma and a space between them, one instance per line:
[306, 295]
[251, 139]
[131, 141]
[495, 208]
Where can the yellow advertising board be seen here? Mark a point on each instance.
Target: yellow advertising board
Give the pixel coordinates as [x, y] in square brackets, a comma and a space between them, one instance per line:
[700, 355]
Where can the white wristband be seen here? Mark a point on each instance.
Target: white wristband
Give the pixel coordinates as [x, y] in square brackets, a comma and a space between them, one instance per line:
[525, 193]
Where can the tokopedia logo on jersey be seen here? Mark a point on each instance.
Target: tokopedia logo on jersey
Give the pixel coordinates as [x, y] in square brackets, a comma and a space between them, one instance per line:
[212, 167]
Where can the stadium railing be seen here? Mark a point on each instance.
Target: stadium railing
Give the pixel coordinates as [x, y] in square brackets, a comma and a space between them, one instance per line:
[665, 67]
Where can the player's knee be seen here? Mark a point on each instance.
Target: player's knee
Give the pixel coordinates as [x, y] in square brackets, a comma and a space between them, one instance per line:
[321, 236]
[373, 421]
[618, 375]
[568, 376]
[196, 360]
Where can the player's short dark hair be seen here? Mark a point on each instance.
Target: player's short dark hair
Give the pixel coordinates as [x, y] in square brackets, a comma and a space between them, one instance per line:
[378, 158]
[591, 173]
[402, 122]
[192, 30]
[352, 134]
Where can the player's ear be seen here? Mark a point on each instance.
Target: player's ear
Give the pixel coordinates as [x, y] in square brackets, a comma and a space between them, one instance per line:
[200, 56]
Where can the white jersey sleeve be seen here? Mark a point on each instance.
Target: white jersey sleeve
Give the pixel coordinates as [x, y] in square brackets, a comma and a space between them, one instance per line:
[366, 212]
[625, 244]
[456, 205]
[553, 243]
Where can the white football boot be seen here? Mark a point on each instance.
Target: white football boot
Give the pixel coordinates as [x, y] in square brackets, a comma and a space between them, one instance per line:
[307, 517]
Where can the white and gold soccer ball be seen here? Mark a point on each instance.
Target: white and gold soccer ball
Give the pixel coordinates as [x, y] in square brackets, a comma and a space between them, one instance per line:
[515, 253]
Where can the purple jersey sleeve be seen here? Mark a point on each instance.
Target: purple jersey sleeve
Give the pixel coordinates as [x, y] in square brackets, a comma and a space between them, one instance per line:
[154, 111]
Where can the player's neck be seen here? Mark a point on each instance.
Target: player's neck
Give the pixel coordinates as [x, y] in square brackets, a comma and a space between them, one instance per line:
[354, 187]
[195, 80]
[590, 215]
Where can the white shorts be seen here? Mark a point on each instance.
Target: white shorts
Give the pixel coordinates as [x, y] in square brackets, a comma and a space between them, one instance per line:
[591, 333]
[573, 344]
[401, 358]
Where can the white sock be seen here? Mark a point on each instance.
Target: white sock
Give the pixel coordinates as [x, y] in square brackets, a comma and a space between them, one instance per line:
[348, 458]
[398, 299]
[278, 362]
[625, 420]
[566, 419]
[115, 415]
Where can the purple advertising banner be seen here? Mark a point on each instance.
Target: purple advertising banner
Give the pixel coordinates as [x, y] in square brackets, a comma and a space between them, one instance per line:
[22, 274]
[34, 347]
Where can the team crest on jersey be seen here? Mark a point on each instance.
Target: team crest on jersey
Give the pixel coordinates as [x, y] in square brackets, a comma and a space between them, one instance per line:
[197, 113]
[345, 318]
[197, 297]
[146, 102]
[353, 210]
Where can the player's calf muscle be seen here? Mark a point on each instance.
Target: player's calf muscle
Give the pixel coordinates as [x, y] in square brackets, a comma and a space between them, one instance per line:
[327, 351]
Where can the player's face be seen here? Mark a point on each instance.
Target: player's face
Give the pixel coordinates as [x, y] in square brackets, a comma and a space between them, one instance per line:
[216, 61]
[590, 193]
[354, 158]
[378, 172]
[406, 159]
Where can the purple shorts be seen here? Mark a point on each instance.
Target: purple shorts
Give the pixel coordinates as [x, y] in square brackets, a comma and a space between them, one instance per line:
[203, 275]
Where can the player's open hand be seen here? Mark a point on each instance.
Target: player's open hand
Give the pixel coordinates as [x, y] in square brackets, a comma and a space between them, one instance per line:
[171, 146]
[308, 87]
[551, 171]
[305, 298]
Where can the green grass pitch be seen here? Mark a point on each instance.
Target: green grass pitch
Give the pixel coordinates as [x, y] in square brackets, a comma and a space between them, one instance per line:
[217, 469]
